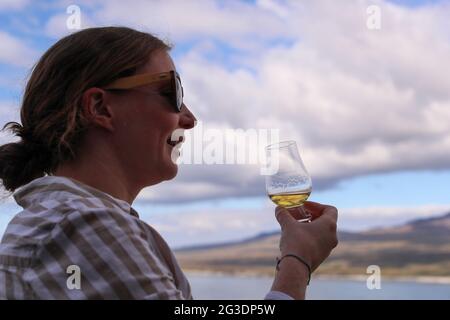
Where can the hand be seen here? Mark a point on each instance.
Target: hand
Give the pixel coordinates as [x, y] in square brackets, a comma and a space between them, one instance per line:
[312, 241]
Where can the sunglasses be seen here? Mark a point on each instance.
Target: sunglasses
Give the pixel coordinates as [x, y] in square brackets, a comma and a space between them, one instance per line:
[138, 80]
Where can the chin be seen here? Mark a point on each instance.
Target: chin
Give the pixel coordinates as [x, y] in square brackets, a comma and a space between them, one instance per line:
[171, 172]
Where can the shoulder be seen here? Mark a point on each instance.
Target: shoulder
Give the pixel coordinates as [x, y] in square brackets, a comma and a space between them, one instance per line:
[89, 217]
[44, 221]
[34, 223]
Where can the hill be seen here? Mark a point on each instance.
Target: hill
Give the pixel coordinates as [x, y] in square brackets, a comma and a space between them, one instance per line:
[418, 248]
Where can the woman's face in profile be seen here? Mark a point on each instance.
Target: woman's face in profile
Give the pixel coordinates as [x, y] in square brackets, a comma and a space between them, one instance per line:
[146, 120]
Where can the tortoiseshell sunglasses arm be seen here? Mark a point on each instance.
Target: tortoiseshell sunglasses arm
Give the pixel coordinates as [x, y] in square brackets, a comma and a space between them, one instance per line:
[140, 80]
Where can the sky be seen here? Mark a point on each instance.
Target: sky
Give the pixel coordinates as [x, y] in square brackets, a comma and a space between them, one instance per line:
[366, 97]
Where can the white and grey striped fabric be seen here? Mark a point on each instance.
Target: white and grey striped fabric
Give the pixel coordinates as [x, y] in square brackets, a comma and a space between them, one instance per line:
[66, 223]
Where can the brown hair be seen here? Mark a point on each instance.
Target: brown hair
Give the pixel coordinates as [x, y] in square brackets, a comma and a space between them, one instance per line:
[52, 121]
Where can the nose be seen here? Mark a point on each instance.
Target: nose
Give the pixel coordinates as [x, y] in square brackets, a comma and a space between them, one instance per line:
[187, 118]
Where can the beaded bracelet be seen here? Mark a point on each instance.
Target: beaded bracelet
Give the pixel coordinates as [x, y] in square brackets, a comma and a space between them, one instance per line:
[299, 259]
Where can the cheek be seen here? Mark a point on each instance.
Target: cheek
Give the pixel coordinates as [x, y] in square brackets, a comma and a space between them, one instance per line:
[148, 124]
[158, 128]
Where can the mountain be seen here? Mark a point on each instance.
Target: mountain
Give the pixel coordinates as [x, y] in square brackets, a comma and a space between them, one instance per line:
[418, 248]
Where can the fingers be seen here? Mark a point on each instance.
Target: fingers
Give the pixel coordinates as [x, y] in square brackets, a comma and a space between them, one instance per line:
[284, 217]
[299, 213]
[328, 221]
[318, 212]
[331, 212]
[317, 209]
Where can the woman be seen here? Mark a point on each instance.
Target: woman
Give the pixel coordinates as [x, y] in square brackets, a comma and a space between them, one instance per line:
[97, 117]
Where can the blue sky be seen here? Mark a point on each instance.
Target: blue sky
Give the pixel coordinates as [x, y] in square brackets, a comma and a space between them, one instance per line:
[371, 121]
[415, 3]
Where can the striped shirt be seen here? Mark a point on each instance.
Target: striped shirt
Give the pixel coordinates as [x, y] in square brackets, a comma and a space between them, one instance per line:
[73, 241]
[66, 223]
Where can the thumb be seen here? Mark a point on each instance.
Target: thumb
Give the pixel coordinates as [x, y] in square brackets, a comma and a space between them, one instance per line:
[283, 216]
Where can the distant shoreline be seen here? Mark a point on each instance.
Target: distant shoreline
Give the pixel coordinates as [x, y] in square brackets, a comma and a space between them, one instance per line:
[416, 279]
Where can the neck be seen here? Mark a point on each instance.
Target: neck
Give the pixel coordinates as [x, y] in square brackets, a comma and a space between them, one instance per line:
[102, 172]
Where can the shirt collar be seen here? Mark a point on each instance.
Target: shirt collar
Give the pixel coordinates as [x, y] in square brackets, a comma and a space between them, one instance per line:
[62, 189]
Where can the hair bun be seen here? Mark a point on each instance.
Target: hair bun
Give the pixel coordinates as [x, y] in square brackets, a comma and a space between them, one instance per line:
[33, 145]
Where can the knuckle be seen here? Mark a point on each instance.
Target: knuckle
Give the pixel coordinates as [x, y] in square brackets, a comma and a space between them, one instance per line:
[331, 222]
[334, 209]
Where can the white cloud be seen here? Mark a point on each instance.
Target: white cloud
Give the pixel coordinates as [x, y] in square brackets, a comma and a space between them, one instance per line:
[13, 4]
[16, 52]
[373, 217]
[56, 26]
[274, 7]
[211, 226]
[186, 190]
[188, 20]
[358, 101]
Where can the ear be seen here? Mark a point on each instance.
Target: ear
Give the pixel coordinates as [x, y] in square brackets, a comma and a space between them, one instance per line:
[96, 110]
